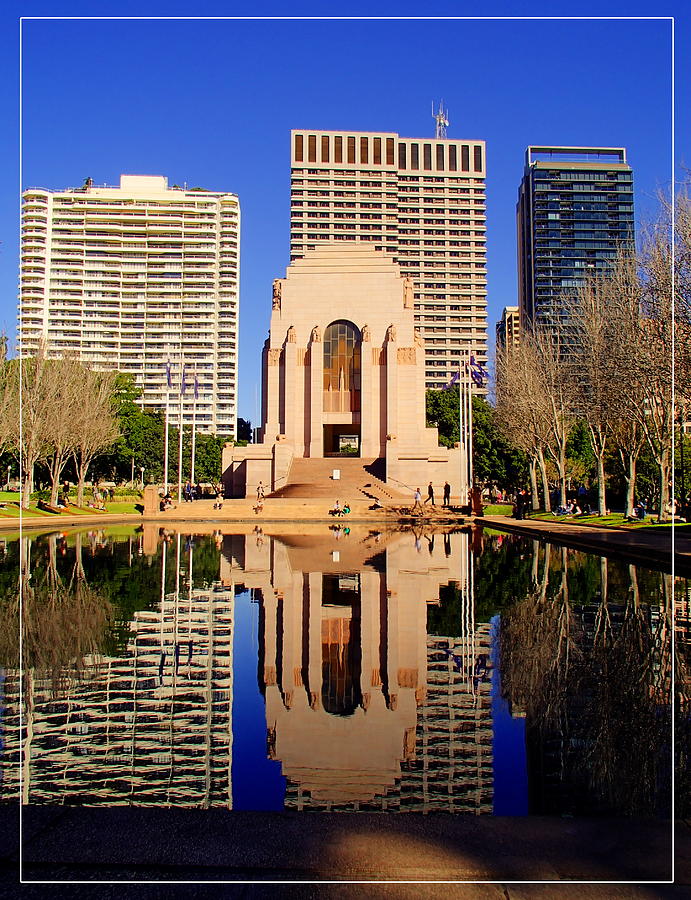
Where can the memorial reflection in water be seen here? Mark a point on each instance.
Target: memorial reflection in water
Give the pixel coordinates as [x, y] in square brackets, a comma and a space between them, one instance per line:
[364, 709]
[334, 669]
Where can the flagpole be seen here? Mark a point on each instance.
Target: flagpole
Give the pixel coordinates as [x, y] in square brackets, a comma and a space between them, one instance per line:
[194, 425]
[165, 452]
[182, 393]
[169, 384]
[461, 437]
[470, 429]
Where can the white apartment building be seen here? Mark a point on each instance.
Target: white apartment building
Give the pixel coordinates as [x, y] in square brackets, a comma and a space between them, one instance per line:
[133, 277]
[422, 200]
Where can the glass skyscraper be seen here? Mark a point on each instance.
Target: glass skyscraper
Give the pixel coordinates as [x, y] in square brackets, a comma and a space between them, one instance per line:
[575, 213]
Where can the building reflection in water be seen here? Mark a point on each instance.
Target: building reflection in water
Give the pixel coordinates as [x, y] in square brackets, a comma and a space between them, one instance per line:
[364, 710]
[151, 727]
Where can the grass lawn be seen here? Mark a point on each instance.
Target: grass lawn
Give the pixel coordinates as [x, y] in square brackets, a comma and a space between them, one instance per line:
[498, 509]
[616, 520]
[127, 506]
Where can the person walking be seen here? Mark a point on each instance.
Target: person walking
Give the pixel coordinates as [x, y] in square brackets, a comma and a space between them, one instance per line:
[447, 494]
[260, 491]
[430, 494]
[418, 500]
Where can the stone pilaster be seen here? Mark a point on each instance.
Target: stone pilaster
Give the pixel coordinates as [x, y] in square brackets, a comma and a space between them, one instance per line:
[316, 376]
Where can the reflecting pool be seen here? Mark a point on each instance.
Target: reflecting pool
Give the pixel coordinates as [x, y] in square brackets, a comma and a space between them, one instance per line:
[334, 669]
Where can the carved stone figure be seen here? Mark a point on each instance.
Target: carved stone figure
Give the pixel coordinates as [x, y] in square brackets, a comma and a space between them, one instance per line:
[290, 336]
[365, 333]
[316, 335]
[408, 293]
[276, 300]
[391, 333]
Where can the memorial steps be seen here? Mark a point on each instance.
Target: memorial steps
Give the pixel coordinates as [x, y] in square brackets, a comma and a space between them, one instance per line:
[360, 479]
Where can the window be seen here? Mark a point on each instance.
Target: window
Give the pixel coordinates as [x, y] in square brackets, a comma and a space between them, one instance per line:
[427, 156]
[325, 148]
[363, 149]
[338, 149]
[390, 152]
[465, 158]
[351, 150]
[414, 156]
[453, 164]
[341, 367]
[312, 148]
[440, 157]
[376, 159]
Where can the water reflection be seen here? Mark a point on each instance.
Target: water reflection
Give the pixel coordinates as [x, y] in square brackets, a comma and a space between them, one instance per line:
[390, 671]
[364, 709]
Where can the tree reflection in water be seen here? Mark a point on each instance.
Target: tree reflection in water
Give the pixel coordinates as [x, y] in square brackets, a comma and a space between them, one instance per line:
[592, 673]
[64, 621]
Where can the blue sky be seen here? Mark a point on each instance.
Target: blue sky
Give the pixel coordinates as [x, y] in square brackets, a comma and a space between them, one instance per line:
[211, 103]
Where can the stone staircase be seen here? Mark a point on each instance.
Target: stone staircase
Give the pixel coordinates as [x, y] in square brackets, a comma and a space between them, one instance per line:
[360, 479]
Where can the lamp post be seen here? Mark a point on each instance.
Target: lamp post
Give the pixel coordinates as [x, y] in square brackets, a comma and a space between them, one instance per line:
[9, 469]
[141, 469]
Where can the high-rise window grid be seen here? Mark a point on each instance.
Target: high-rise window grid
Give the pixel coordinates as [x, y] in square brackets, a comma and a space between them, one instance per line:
[131, 277]
[575, 214]
[423, 202]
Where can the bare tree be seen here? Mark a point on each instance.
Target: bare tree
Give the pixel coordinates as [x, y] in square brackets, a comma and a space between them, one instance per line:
[557, 380]
[95, 425]
[601, 318]
[28, 386]
[522, 411]
[64, 403]
[654, 342]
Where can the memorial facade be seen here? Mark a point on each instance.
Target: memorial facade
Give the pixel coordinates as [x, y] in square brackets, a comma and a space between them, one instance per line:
[343, 375]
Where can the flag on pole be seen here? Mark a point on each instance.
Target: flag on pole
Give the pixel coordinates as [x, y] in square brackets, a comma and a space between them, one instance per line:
[169, 377]
[183, 382]
[478, 372]
[454, 380]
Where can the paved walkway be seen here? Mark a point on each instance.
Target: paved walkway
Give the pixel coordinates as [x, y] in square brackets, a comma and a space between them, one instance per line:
[94, 844]
[647, 546]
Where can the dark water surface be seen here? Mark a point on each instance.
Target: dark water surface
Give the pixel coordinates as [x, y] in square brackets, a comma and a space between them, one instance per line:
[334, 669]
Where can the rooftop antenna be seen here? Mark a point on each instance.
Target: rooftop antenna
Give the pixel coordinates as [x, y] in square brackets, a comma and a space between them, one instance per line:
[441, 117]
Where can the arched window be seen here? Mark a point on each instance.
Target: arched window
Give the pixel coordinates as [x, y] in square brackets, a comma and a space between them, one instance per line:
[341, 367]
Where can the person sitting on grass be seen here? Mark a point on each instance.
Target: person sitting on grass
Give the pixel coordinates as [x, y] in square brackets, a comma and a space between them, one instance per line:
[639, 512]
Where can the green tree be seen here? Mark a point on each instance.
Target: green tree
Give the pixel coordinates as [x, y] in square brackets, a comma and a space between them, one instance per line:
[141, 440]
[244, 430]
[207, 456]
[495, 459]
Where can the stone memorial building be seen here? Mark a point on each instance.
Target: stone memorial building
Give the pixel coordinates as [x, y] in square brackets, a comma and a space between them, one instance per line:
[343, 376]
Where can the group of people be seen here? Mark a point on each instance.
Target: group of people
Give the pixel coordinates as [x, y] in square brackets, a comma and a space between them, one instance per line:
[572, 509]
[166, 502]
[339, 510]
[418, 502]
[192, 492]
